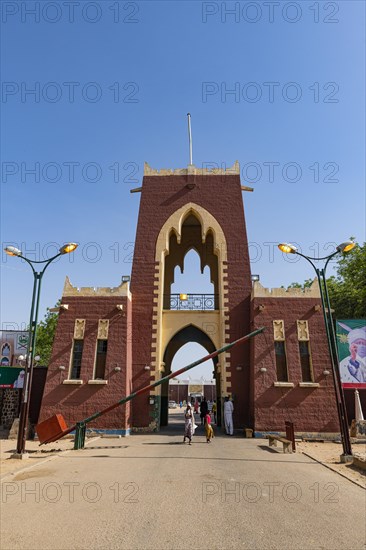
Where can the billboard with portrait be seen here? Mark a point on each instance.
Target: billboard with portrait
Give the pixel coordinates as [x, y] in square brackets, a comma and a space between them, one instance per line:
[351, 342]
[11, 377]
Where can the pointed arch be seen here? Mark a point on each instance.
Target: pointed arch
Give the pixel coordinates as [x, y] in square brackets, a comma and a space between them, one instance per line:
[175, 223]
[187, 334]
[196, 334]
[211, 238]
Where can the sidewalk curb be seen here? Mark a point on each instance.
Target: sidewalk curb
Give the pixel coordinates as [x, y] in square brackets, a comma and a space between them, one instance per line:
[43, 460]
[334, 470]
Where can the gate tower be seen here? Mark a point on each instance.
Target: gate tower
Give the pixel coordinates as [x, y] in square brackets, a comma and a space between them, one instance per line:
[180, 210]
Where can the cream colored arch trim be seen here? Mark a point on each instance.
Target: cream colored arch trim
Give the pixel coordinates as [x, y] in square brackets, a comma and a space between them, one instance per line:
[207, 322]
[175, 222]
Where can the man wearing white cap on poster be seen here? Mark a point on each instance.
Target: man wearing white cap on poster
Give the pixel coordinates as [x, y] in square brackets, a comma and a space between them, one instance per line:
[19, 382]
[353, 367]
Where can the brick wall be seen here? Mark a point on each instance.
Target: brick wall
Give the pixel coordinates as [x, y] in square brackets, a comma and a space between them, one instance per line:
[182, 394]
[310, 409]
[178, 395]
[9, 406]
[77, 402]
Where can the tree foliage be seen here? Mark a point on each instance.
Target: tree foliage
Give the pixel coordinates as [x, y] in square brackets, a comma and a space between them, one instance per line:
[45, 334]
[306, 284]
[347, 290]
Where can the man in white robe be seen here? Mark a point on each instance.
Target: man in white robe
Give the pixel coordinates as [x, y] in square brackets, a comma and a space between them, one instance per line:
[228, 416]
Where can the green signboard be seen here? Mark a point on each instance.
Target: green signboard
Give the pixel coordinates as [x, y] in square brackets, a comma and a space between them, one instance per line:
[11, 377]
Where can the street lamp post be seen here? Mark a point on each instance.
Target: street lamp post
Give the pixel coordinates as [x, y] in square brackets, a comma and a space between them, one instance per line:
[32, 336]
[331, 337]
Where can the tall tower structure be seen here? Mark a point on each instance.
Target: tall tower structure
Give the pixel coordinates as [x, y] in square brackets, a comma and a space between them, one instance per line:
[180, 210]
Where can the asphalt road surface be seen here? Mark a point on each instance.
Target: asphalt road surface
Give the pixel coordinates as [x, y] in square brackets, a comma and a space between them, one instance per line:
[154, 492]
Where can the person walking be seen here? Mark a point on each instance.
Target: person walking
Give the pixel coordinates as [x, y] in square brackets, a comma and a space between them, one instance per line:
[188, 424]
[214, 410]
[203, 410]
[208, 428]
[194, 425]
[228, 416]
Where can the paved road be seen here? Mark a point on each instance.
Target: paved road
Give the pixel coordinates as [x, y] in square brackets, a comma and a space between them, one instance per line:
[153, 492]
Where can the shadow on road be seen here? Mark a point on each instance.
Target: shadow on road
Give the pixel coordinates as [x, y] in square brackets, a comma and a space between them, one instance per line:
[221, 459]
[268, 449]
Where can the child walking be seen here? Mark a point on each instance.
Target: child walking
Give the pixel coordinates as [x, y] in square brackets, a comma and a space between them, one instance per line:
[208, 428]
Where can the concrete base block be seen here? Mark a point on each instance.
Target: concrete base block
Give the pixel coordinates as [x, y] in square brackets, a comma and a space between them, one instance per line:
[346, 458]
[95, 432]
[20, 456]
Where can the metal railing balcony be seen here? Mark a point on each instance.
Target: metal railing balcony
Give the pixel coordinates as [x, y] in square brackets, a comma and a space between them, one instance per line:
[191, 302]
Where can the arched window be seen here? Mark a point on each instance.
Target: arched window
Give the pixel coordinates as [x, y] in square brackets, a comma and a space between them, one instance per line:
[192, 281]
[191, 269]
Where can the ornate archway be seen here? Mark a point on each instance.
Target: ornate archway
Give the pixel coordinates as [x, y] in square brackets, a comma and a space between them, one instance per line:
[188, 334]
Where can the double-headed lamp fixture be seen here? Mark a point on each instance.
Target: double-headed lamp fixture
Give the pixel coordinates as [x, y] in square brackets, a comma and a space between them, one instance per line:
[289, 248]
[65, 249]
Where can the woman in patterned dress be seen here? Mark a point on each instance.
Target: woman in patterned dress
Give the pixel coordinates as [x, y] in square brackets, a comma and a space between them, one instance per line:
[188, 423]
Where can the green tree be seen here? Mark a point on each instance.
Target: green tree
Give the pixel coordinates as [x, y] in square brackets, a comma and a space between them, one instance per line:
[306, 284]
[347, 290]
[45, 335]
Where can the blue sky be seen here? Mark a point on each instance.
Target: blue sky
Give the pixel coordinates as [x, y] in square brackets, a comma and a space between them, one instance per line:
[113, 93]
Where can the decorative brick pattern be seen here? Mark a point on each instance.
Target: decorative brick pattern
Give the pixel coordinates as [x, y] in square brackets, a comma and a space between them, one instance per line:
[278, 331]
[79, 329]
[303, 331]
[103, 327]
[9, 406]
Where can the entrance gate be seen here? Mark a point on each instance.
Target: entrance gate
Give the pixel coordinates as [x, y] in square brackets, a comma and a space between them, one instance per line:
[187, 334]
[181, 210]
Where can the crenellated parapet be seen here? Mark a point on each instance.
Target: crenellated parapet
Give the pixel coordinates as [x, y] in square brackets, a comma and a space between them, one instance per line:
[260, 291]
[70, 290]
[209, 170]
